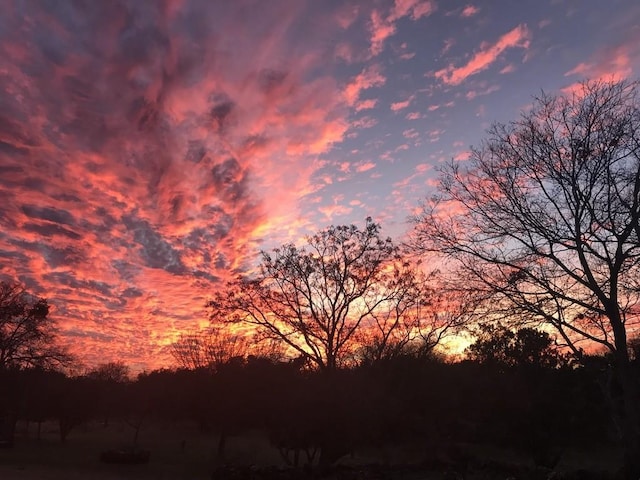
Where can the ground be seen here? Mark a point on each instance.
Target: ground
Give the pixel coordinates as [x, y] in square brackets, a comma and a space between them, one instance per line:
[180, 452]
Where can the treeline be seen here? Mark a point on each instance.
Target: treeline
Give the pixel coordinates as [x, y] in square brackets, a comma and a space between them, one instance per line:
[318, 417]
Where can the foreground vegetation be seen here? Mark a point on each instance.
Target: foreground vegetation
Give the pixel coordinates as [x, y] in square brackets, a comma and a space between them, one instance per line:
[409, 412]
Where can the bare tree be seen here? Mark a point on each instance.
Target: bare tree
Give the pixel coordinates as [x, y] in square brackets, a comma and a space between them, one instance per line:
[117, 372]
[415, 323]
[208, 349]
[27, 334]
[545, 218]
[315, 299]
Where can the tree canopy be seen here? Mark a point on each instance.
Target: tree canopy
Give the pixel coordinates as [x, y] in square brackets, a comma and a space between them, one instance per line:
[525, 347]
[319, 298]
[544, 216]
[27, 335]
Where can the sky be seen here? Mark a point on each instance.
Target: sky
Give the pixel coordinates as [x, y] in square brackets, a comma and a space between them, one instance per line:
[150, 149]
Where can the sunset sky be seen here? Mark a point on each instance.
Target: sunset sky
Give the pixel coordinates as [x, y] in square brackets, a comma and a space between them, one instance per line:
[149, 149]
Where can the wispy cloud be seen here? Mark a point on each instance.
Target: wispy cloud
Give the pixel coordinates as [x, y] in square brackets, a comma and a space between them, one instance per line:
[396, 106]
[383, 26]
[369, 77]
[617, 61]
[519, 37]
[469, 11]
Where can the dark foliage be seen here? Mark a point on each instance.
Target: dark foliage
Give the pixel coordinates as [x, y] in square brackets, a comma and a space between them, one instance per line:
[27, 337]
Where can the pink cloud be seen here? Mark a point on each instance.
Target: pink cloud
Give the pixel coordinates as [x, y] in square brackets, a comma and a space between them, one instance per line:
[336, 209]
[367, 104]
[364, 167]
[345, 51]
[345, 167]
[448, 44]
[396, 106]
[544, 23]
[411, 133]
[469, 11]
[369, 77]
[159, 167]
[382, 27]
[462, 156]
[508, 69]
[346, 16]
[413, 116]
[615, 62]
[519, 37]
[471, 94]
[364, 122]
[416, 9]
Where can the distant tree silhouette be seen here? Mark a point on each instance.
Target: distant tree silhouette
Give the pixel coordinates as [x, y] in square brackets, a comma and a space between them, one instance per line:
[117, 372]
[109, 380]
[315, 299]
[27, 337]
[208, 349]
[545, 218]
[74, 403]
[501, 346]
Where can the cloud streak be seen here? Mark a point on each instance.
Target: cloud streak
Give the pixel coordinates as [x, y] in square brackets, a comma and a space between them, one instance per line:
[486, 55]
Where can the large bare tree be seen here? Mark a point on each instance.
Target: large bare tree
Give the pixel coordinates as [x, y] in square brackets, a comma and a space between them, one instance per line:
[316, 299]
[545, 217]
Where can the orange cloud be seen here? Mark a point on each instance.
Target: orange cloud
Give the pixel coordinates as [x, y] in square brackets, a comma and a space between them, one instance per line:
[519, 37]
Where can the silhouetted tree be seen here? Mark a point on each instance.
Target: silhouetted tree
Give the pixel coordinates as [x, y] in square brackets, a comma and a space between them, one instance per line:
[524, 347]
[27, 336]
[109, 380]
[545, 217]
[74, 403]
[315, 299]
[116, 372]
[208, 349]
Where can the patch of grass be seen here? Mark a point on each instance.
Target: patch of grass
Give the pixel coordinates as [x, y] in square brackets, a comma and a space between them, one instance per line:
[178, 451]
